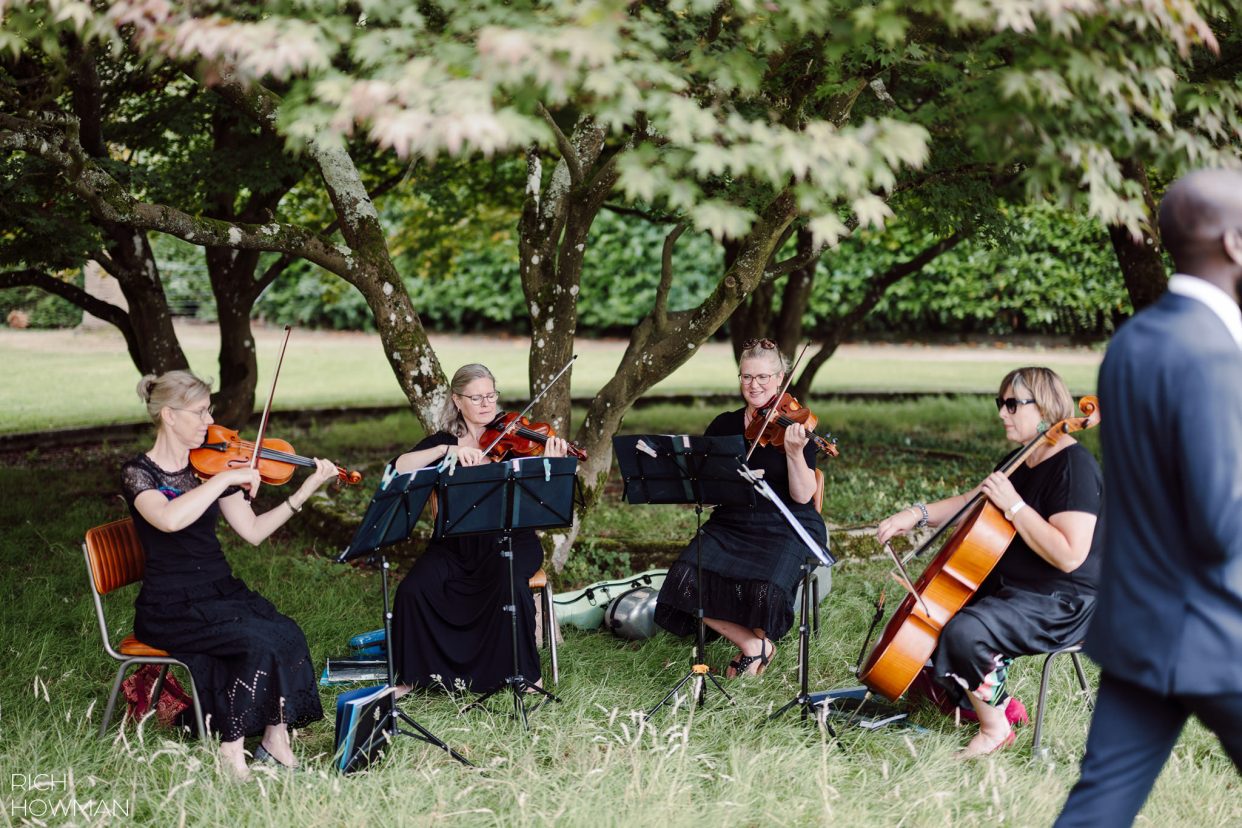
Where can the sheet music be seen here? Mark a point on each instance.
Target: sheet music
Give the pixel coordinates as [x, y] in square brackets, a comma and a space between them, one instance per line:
[764, 488]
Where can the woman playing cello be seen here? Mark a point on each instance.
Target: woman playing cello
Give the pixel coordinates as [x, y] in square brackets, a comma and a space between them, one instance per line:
[1040, 595]
[448, 624]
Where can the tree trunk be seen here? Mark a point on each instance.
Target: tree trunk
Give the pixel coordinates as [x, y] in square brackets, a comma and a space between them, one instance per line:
[132, 262]
[366, 264]
[796, 297]
[232, 277]
[552, 239]
[662, 342]
[1141, 260]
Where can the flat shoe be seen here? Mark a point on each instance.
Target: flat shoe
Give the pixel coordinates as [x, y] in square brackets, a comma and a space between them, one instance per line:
[262, 754]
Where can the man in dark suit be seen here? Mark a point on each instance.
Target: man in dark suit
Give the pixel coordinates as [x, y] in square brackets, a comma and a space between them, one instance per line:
[1167, 630]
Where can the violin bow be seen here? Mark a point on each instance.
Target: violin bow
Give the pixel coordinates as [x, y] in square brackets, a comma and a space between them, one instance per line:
[772, 403]
[530, 405]
[267, 408]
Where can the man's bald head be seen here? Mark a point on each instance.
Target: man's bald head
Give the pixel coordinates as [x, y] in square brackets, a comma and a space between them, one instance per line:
[1197, 213]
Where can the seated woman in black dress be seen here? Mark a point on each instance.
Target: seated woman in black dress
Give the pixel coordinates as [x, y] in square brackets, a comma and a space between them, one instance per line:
[751, 556]
[250, 664]
[449, 628]
[1040, 596]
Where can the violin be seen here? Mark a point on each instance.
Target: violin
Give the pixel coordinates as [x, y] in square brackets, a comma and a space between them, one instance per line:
[512, 435]
[981, 536]
[223, 450]
[787, 412]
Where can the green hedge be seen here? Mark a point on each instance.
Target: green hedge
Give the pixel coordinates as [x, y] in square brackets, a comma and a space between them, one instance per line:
[44, 310]
[1046, 273]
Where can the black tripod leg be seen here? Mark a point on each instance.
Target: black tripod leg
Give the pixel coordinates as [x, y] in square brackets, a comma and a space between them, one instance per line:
[719, 686]
[796, 700]
[430, 738]
[483, 698]
[670, 694]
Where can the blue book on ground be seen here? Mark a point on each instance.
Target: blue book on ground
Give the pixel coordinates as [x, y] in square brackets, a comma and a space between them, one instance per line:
[360, 717]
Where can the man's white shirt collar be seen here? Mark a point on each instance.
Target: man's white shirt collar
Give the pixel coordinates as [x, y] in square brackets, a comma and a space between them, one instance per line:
[1219, 302]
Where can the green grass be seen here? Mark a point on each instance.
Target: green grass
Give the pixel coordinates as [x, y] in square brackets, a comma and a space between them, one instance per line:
[58, 379]
[586, 761]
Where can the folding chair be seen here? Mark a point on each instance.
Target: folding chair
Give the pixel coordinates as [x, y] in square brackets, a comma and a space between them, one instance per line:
[1084, 689]
[115, 558]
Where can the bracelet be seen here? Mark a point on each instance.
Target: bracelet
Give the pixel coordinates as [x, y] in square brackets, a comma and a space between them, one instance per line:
[1013, 510]
[289, 503]
[925, 519]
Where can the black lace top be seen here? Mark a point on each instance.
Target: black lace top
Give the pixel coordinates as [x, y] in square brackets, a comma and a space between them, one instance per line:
[175, 560]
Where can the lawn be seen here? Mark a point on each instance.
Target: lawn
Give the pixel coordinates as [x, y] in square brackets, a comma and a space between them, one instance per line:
[56, 379]
[587, 761]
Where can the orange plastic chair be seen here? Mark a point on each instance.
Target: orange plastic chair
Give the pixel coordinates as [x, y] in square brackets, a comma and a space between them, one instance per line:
[114, 559]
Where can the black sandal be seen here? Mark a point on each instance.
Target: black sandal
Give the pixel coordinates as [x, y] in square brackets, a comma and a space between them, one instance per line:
[742, 663]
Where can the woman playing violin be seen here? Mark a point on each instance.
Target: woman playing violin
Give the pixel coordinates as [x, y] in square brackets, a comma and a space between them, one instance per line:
[751, 556]
[250, 664]
[449, 627]
[1040, 595]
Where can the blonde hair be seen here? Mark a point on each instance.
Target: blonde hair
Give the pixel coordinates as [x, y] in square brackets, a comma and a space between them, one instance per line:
[1047, 389]
[451, 419]
[171, 389]
[757, 351]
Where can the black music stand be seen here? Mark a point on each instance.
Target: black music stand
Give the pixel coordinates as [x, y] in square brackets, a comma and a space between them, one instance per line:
[526, 493]
[389, 519]
[682, 469]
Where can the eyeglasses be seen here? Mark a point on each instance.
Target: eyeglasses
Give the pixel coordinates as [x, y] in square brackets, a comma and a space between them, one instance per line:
[765, 344]
[203, 413]
[1011, 404]
[479, 399]
[761, 379]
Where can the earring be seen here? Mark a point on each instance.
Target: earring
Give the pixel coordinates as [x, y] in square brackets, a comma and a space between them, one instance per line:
[1042, 427]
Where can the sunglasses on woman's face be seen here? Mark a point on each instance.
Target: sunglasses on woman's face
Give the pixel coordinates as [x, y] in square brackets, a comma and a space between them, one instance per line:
[765, 344]
[1011, 404]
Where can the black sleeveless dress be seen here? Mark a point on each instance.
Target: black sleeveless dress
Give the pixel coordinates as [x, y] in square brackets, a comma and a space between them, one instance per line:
[251, 664]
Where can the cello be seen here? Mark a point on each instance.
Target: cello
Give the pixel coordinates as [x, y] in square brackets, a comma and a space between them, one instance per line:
[979, 539]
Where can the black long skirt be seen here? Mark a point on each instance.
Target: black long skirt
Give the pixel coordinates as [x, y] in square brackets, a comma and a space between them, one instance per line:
[978, 644]
[449, 625]
[751, 565]
[251, 664]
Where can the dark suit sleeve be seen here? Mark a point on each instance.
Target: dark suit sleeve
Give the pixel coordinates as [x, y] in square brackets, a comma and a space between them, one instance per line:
[1208, 439]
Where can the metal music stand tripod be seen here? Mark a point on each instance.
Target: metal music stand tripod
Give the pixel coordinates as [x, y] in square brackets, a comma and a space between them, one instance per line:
[526, 493]
[389, 519]
[683, 469]
[817, 555]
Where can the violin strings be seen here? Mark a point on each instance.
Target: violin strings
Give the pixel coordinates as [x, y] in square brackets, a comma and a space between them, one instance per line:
[273, 454]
